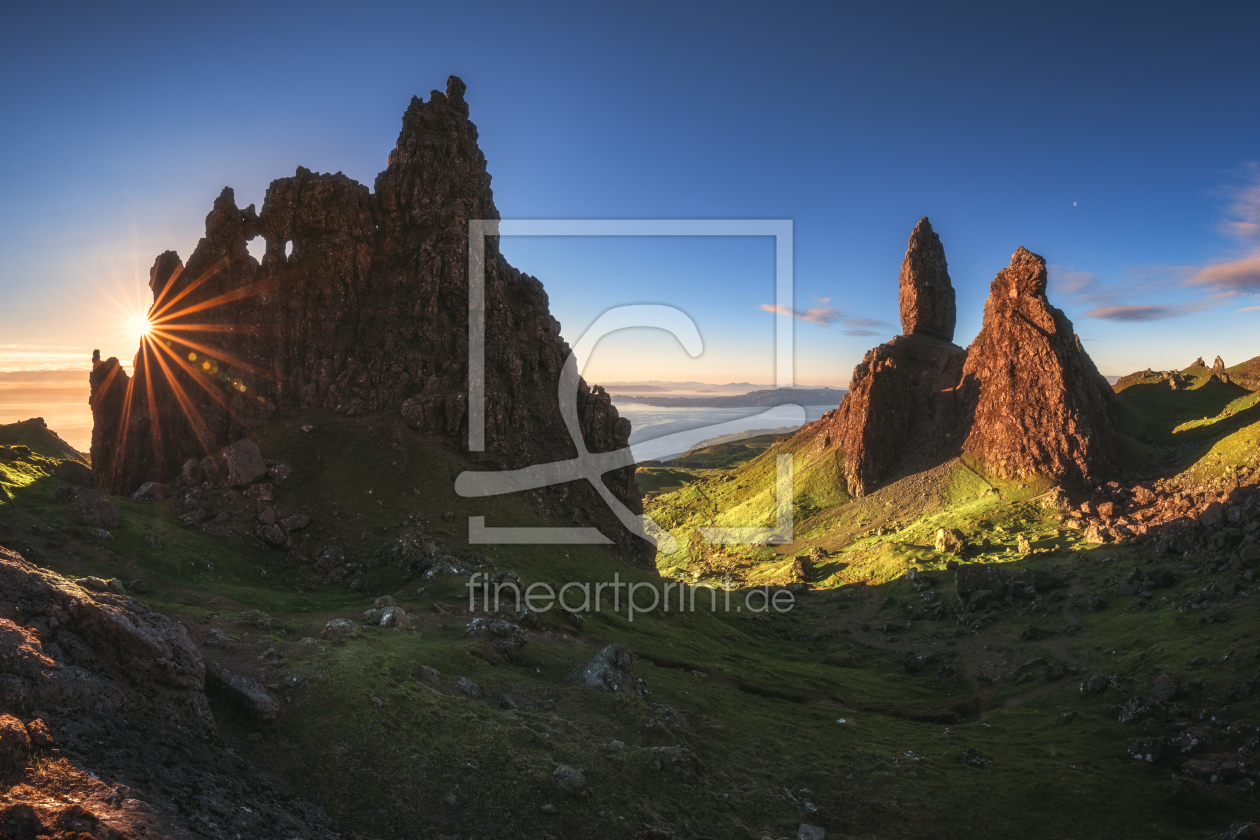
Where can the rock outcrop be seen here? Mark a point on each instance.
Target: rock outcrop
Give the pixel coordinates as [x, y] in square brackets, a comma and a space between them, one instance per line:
[927, 295]
[1040, 404]
[901, 409]
[1023, 399]
[360, 304]
[118, 690]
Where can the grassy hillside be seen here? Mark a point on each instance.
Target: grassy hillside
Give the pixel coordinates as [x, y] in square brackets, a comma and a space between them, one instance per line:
[823, 715]
[41, 440]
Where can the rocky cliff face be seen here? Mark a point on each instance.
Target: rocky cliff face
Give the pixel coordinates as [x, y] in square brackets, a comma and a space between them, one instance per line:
[359, 305]
[1024, 398]
[110, 696]
[1040, 404]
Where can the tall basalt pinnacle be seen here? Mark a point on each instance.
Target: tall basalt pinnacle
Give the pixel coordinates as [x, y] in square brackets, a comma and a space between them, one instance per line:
[927, 295]
[899, 412]
[359, 305]
[1038, 403]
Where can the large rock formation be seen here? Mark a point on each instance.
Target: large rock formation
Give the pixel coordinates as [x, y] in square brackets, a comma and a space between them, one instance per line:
[927, 295]
[901, 408]
[360, 304]
[1040, 404]
[115, 692]
[1024, 398]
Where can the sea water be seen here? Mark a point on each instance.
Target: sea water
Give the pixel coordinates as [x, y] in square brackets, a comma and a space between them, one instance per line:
[661, 432]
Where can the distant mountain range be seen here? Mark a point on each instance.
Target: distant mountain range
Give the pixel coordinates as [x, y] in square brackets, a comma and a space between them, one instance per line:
[753, 399]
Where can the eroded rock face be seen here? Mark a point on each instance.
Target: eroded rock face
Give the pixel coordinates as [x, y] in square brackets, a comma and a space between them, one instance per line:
[1023, 399]
[1040, 404]
[360, 304]
[900, 411]
[927, 295]
[119, 689]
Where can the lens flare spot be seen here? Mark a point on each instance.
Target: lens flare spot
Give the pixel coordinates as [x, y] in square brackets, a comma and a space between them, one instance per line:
[192, 357]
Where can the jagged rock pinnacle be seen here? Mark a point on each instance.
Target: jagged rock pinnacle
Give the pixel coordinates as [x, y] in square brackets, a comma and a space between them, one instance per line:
[927, 295]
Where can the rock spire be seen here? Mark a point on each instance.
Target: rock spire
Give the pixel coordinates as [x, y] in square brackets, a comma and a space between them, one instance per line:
[1023, 399]
[927, 295]
[1037, 403]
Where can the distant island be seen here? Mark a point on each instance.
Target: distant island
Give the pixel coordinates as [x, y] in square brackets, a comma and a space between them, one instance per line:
[772, 397]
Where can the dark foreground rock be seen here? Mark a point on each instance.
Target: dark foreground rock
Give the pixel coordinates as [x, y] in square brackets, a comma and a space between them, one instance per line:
[113, 693]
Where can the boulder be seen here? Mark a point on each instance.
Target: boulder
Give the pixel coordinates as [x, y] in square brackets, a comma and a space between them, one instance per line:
[241, 691]
[950, 541]
[15, 743]
[243, 463]
[192, 473]
[261, 492]
[503, 636]
[802, 567]
[610, 670]
[279, 473]
[340, 628]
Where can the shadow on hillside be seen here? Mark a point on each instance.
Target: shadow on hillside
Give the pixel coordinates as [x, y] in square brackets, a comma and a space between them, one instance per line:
[1156, 411]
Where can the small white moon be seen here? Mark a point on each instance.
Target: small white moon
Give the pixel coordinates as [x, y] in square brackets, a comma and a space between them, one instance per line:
[1073, 203]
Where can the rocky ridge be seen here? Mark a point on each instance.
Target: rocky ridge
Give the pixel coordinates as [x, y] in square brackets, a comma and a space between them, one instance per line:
[109, 696]
[1023, 399]
[359, 305]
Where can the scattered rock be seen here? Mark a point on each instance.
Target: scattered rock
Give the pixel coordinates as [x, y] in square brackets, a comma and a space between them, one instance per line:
[340, 628]
[503, 636]
[427, 674]
[950, 541]
[15, 743]
[241, 691]
[569, 778]
[469, 687]
[974, 758]
[261, 492]
[610, 670]
[244, 463]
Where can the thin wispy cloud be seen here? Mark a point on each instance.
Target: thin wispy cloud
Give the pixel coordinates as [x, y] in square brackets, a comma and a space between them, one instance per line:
[827, 316]
[1239, 274]
[1236, 274]
[1140, 312]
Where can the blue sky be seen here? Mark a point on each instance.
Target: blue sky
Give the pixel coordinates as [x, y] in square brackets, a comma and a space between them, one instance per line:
[1117, 140]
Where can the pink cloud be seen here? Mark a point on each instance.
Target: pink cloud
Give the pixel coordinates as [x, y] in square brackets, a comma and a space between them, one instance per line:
[825, 316]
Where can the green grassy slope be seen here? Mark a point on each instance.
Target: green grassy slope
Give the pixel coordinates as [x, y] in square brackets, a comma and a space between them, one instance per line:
[39, 439]
[807, 717]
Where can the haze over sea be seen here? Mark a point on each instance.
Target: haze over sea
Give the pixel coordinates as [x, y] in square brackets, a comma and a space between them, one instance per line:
[659, 432]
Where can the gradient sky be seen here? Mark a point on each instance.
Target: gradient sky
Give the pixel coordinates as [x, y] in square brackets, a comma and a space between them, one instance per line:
[1117, 140]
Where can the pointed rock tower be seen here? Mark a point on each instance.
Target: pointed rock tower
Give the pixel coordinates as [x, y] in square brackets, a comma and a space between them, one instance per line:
[1037, 402]
[927, 295]
[360, 304]
[901, 408]
[1023, 399]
